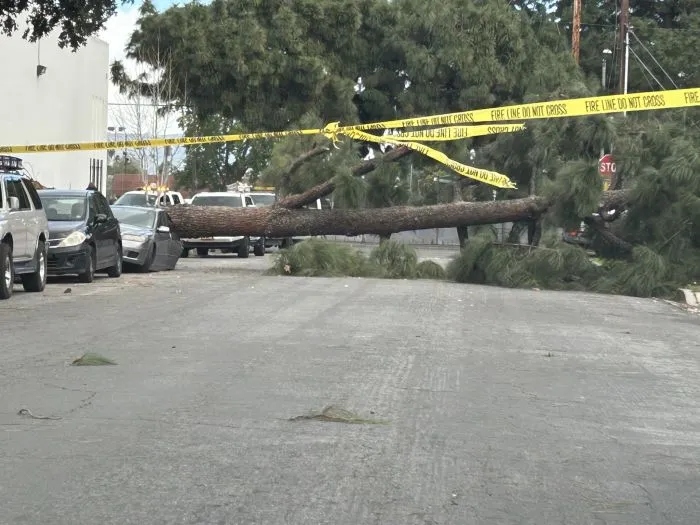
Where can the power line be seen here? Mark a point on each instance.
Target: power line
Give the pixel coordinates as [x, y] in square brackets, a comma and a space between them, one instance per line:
[644, 66]
[653, 58]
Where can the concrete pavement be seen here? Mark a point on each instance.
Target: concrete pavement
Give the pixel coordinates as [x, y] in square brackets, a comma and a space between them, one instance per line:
[503, 406]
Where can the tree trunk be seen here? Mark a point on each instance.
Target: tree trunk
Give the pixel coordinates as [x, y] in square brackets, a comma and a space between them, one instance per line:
[203, 221]
[534, 231]
[199, 221]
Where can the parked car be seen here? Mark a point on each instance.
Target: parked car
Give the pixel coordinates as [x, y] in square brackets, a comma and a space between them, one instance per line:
[24, 230]
[84, 234]
[238, 244]
[148, 243]
[149, 198]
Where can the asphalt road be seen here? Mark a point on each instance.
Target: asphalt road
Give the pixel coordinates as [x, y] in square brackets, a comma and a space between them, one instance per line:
[499, 406]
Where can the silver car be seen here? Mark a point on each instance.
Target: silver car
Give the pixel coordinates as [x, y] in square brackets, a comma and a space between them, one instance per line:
[148, 244]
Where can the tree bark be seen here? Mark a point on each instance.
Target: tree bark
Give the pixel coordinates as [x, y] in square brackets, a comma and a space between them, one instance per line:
[599, 225]
[199, 221]
[326, 188]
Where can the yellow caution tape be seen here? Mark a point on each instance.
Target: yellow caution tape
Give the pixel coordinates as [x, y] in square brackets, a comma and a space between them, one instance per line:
[575, 107]
[652, 100]
[486, 176]
[457, 132]
[646, 101]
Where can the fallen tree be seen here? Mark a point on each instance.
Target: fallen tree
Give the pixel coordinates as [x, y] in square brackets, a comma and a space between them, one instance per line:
[199, 221]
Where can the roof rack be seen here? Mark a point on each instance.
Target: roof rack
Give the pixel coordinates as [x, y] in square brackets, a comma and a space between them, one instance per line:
[9, 163]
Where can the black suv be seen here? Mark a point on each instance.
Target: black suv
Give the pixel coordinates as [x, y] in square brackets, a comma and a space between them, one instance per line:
[84, 235]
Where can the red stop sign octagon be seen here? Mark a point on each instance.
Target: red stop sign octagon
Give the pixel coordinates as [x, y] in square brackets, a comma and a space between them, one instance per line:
[607, 168]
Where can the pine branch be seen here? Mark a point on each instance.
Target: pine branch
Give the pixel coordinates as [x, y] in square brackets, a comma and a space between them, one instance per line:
[326, 188]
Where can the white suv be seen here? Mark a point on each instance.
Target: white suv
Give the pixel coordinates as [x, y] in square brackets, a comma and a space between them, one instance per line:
[24, 230]
[239, 244]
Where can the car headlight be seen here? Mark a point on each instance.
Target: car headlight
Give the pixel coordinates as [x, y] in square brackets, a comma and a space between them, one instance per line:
[74, 239]
[133, 238]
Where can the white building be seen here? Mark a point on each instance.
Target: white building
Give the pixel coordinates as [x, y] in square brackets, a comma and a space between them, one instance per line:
[50, 95]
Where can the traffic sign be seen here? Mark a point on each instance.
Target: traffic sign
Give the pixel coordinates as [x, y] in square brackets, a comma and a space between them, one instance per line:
[607, 169]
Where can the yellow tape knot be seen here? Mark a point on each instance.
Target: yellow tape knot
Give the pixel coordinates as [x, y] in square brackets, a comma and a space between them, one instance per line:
[330, 131]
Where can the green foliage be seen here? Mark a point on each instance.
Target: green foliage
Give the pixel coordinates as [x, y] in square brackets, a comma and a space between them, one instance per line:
[398, 260]
[76, 21]
[553, 265]
[320, 258]
[430, 270]
[214, 166]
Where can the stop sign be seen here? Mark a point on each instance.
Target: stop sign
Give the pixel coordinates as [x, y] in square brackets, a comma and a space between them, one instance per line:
[607, 168]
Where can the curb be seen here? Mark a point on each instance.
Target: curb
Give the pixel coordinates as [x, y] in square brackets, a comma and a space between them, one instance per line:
[691, 298]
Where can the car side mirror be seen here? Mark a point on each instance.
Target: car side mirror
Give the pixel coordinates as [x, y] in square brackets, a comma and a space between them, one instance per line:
[14, 203]
[100, 217]
[163, 229]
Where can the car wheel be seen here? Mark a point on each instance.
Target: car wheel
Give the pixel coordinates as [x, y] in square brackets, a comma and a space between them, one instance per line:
[244, 248]
[259, 250]
[185, 253]
[202, 252]
[89, 274]
[148, 262]
[116, 270]
[7, 278]
[36, 282]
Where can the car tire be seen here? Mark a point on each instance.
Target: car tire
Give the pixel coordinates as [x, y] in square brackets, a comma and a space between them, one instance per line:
[116, 270]
[89, 274]
[202, 252]
[259, 250]
[149, 261]
[7, 273]
[36, 282]
[184, 253]
[244, 248]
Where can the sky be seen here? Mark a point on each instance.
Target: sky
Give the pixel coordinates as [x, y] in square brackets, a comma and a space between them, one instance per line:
[116, 33]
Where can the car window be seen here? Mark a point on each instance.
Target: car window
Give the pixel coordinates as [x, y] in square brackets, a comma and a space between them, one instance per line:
[136, 199]
[262, 199]
[248, 201]
[141, 218]
[15, 189]
[233, 201]
[176, 199]
[33, 195]
[64, 207]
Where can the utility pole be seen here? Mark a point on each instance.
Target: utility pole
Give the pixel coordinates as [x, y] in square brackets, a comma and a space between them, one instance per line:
[576, 30]
[624, 45]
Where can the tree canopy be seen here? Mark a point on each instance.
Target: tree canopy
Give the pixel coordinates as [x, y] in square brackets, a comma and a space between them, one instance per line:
[76, 20]
[285, 64]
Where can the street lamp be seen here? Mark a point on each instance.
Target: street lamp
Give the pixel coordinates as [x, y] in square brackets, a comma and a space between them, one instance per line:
[606, 52]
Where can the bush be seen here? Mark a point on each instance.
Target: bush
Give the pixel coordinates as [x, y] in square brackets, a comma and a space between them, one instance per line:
[430, 270]
[397, 260]
[321, 258]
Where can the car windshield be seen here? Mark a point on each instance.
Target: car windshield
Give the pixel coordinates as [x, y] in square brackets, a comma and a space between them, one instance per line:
[263, 200]
[232, 201]
[136, 199]
[64, 207]
[140, 218]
